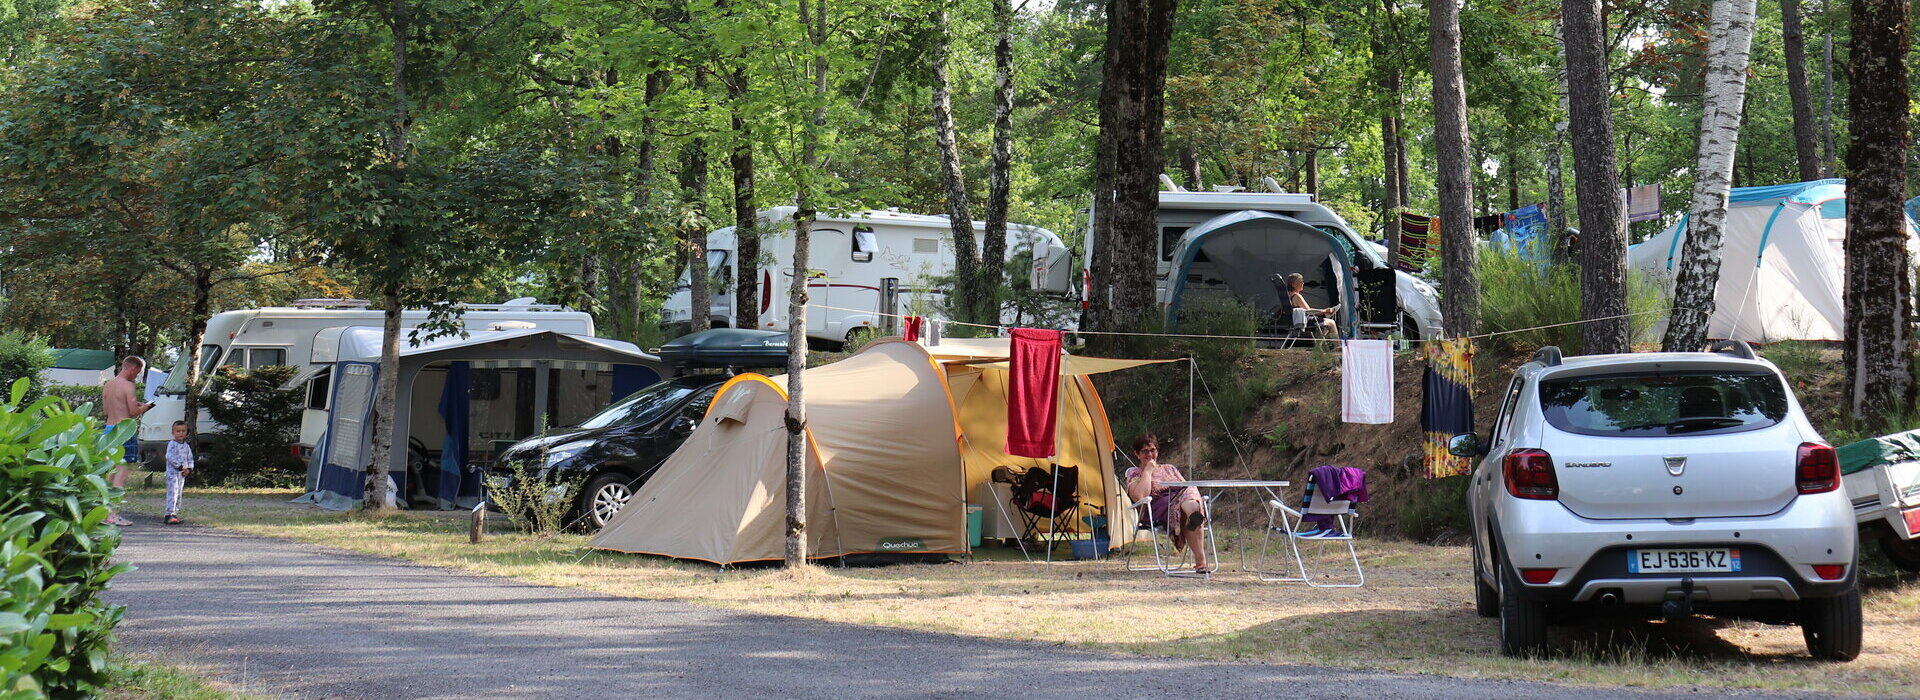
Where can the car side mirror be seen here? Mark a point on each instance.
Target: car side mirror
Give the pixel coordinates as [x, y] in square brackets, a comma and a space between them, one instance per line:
[1465, 445]
[682, 425]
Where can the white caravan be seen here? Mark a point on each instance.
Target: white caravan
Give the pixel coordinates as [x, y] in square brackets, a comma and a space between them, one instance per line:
[277, 335]
[1186, 218]
[856, 259]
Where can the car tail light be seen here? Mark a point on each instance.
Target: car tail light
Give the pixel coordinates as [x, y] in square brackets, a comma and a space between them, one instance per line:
[1830, 572]
[1530, 475]
[1818, 470]
[1537, 576]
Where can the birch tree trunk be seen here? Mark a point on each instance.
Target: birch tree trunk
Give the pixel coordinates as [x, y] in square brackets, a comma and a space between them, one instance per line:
[993, 246]
[966, 251]
[1794, 39]
[810, 136]
[1458, 245]
[746, 234]
[1722, 106]
[1557, 233]
[1129, 161]
[1879, 287]
[1603, 230]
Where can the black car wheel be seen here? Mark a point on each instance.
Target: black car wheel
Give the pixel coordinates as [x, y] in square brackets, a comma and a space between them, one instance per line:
[1902, 552]
[1523, 623]
[1832, 626]
[1486, 599]
[604, 496]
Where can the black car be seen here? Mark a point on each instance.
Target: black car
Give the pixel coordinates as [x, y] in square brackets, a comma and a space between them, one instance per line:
[613, 453]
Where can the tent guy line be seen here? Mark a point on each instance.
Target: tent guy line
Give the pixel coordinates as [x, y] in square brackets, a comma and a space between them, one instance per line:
[1257, 337]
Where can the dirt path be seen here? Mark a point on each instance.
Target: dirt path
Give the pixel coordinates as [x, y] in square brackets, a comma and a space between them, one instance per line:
[296, 620]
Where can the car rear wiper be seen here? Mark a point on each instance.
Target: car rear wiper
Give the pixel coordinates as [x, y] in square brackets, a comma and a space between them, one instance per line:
[1702, 423]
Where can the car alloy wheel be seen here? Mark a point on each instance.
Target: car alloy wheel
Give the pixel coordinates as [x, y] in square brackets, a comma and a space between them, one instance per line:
[608, 500]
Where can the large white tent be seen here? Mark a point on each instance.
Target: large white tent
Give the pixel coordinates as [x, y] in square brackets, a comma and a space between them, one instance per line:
[1783, 263]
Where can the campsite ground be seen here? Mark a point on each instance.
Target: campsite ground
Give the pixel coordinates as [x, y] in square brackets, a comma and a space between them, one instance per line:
[1414, 615]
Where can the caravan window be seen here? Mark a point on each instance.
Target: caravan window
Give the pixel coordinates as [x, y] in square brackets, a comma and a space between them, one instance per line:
[262, 357]
[718, 272]
[1170, 237]
[864, 244]
[320, 391]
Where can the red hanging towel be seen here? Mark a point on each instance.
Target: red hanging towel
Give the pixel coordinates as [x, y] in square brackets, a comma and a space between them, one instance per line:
[913, 329]
[1033, 392]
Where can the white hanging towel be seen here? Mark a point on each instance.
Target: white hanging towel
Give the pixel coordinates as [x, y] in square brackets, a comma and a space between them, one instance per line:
[933, 332]
[1366, 381]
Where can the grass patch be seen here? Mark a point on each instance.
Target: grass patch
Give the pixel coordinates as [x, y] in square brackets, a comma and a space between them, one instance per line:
[1415, 614]
[137, 678]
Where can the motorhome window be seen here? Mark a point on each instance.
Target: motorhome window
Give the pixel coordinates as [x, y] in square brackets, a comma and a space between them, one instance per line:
[262, 357]
[864, 244]
[320, 390]
[929, 246]
[176, 383]
[644, 407]
[1169, 237]
[717, 269]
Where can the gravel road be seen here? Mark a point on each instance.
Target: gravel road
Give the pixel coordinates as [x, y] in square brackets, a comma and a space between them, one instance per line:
[294, 620]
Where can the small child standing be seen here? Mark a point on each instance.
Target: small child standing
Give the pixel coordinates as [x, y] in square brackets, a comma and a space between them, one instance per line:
[179, 466]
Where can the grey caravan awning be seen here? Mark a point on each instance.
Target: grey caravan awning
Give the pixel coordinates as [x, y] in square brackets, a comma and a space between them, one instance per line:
[1236, 254]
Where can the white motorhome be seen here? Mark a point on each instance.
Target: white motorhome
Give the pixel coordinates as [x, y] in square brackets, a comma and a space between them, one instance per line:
[857, 259]
[1189, 219]
[249, 338]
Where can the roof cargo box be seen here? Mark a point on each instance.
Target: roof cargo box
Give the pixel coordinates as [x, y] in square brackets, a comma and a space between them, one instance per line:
[726, 347]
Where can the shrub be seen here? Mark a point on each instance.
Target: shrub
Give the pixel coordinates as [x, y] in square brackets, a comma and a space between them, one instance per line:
[1518, 296]
[537, 506]
[24, 356]
[259, 421]
[56, 548]
[78, 397]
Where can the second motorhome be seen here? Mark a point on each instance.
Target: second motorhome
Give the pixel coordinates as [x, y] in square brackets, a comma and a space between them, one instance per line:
[249, 338]
[857, 260]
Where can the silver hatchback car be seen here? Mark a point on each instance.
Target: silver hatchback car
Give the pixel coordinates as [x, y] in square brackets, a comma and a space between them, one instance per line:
[1660, 483]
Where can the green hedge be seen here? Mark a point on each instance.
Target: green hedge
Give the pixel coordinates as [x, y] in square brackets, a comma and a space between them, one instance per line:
[22, 355]
[56, 548]
[77, 397]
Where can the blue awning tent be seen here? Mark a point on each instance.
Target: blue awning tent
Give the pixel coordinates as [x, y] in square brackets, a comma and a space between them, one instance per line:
[488, 387]
[1236, 255]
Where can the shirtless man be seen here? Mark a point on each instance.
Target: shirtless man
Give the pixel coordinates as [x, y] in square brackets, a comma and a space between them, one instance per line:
[117, 398]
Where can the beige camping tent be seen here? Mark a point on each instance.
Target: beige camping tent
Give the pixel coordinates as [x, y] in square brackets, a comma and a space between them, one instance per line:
[899, 437]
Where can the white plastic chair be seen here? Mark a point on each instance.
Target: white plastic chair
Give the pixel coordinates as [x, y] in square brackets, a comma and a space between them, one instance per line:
[1286, 522]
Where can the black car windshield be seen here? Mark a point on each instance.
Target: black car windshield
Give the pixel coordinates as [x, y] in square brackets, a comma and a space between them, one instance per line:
[1663, 404]
[644, 406]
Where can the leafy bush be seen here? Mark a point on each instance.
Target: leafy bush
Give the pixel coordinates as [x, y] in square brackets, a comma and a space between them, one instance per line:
[537, 505]
[56, 548]
[77, 397]
[24, 356]
[259, 421]
[1519, 296]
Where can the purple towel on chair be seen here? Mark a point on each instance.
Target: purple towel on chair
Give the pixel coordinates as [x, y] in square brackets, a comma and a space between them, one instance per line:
[1339, 484]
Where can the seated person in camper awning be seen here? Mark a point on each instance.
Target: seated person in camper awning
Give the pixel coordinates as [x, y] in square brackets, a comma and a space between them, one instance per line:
[1296, 282]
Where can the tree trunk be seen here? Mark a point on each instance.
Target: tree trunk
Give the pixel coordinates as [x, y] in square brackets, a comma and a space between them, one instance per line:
[632, 318]
[1603, 231]
[993, 246]
[796, 554]
[1722, 106]
[1190, 169]
[968, 305]
[386, 401]
[1510, 169]
[1313, 172]
[1831, 156]
[693, 185]
[1406, 165]
[1390, 181]
[1556, 182]
[1386, 37]
[1459, 245]
[1129, 162]
[746, 234]
[1795, 40]
[196, 337]
[1879, 287]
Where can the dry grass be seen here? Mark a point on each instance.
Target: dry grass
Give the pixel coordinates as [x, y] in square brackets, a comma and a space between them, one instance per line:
[1414, 615]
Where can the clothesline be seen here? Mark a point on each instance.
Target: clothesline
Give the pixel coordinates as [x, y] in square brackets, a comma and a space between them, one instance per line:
[1247, 337]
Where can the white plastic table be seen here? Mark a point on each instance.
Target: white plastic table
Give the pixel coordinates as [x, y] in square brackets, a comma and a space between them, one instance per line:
[1271, 488]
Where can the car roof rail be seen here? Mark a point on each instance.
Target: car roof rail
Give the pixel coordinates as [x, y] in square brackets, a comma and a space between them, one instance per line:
[1736, 348]
[1549, 356]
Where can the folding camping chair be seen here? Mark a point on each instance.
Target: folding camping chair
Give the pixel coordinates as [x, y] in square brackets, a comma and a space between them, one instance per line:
[1318, 524]
[1041, 494]
[1165, 560]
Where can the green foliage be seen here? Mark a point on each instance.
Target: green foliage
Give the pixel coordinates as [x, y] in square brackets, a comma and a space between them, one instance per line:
[1432, 509]
[1227, 384]
[1520, 299]
[23, 357]
[260, 420]
[538, 506]
[56, 548]
[84, 400]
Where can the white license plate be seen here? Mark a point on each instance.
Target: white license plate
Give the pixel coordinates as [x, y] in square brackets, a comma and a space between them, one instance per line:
[1682, 561]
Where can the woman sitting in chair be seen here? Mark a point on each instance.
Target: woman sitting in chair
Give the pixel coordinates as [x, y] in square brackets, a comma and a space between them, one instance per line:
[1319, 319]
[1180, 510]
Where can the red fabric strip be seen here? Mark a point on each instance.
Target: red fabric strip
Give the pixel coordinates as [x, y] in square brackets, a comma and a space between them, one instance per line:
[1033, 392]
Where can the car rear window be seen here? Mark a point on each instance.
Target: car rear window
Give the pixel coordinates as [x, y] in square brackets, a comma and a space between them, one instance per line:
[1663, 404]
